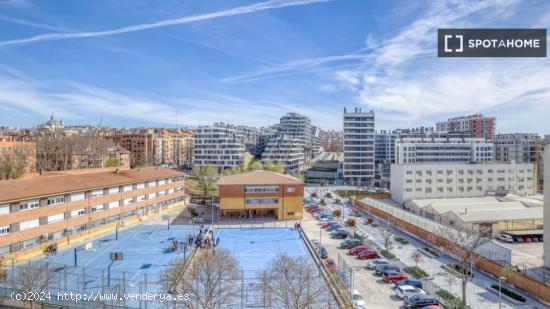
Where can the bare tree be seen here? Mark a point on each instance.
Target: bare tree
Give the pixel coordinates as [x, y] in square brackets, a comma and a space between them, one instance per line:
[386, 234]
[211, 280]
[416, 256]
[292, 282]
[15, 161]
[205, 178]
[462, 244]
[36, 278]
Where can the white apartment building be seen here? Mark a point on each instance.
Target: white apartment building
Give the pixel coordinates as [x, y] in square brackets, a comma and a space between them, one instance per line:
[459, 180]
[546, 213]
[438, 149]
[297, 126]
[359, 139]
[287, 150]
[219, 146]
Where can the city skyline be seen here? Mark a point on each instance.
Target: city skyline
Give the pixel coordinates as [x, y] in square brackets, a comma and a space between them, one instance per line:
[249, 63]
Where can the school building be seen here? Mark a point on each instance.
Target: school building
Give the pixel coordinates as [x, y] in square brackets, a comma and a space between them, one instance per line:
[63, 206]
[261, 195]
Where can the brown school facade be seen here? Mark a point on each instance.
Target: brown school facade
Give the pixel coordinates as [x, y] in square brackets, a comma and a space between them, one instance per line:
[58, 207]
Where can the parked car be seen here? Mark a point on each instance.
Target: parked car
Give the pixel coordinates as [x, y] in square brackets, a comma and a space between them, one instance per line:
[331, 264]
[393, 276]
[420, 300]
[406, 291]
[358, 301]
[357, 249]
[327, 224]
[505, 238]
[323, 252]
[518, 239]
[350, 243]
[334, 227]
[326, 220]
[367, 254]
[527, 238]
[372, 264]
[432, 307]
[339, 234]
[409, 281]
[383, 268]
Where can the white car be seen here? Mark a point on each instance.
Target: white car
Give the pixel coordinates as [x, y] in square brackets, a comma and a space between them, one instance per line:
[505, 238]
[358, 301]
[372, 264]
[406, 291]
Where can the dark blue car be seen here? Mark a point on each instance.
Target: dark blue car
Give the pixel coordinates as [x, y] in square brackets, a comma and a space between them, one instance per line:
[409, 281]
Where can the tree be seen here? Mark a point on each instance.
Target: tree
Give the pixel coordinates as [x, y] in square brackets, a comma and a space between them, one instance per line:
[416, 256]
[386, 234]
[278, 167]
[462, 244]
[112, 162]
[255, 165]
[292, 282]
[36, 278]
[205, 178]
[14, 163]
[211, 280]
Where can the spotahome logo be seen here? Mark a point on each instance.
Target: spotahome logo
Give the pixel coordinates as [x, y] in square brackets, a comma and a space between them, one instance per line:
[491, 42]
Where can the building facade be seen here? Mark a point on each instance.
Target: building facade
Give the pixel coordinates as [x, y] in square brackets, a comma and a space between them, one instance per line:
[64, 206]
[436, 149]
[287, 150]
[457, 180]
[358, 168]
[261, 195]
[220, 146]
[477, 125]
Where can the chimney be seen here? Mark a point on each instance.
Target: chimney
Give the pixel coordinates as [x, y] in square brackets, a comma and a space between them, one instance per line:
[465, 210]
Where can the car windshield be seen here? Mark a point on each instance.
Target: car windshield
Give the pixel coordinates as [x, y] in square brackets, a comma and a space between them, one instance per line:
[357, 297]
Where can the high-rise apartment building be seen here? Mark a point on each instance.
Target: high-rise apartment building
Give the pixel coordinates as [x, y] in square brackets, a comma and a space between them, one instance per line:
[359, 140]
[477, 125]
[437, 149]
[297, 126]
[287, 150]
[219, 145]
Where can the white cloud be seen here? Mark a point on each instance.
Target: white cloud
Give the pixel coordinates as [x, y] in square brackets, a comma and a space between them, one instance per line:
[262, 6]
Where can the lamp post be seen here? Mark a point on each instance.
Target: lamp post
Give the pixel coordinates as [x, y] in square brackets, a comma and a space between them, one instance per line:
[500, 291]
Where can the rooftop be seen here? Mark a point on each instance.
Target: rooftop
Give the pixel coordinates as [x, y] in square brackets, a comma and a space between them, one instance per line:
[74, 181]
[493, 215]
[258, 177]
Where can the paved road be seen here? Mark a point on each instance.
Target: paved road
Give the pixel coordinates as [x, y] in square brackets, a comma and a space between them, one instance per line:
[377, 294]
[478, 295]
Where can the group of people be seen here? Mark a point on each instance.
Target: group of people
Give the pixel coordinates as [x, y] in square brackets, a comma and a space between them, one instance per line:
[176, 245]
[204, 239]
[297, 225]
[52, 248]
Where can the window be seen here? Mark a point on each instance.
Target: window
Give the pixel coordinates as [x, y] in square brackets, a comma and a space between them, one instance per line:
[140, 185]
[262, 189]
[253, 201]
[128, 201]
[56, 218]
[97, 193]
[28, 205]
[78, 212]
[25, 225]
[114, 190]
[97, 208]
[5, 250]
[141, 198]
[151, 195]
[114, 204]
[75, 197]
[170, 191]
[161, 182]
[79, 228]
[56, 235]
[152, 183]
[128, 188]
[56, 200]
[4, 229]
[4, 209]
[30, 243]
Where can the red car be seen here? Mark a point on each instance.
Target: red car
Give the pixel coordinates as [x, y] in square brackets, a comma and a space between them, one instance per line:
[356, 250]
[367, 254]
[326, 225]
[331, 264]
[394, 276]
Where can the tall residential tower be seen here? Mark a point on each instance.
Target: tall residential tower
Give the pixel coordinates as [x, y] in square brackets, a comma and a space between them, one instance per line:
[358, 147]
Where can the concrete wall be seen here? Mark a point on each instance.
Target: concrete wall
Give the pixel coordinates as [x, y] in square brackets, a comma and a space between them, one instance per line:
[547, 206]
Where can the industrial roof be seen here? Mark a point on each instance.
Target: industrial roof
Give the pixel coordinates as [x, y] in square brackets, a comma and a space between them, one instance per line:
[492, 215]
[57, 183]
[258, 177]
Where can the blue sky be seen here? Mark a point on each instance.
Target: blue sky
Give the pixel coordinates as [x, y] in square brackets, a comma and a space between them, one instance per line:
[148, 63]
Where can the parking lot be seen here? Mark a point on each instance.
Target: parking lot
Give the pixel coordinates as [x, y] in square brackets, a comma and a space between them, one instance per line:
[478, 294]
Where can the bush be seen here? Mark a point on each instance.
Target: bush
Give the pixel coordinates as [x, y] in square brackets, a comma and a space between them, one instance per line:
[387, 254]
[431, 251]
[338, 201]
[374, 225]
[509, 293]
[415, 271]
[452, 301]
[337, 213]
[401, 240]
[350, 222]
[313, 194]
[370, 220]
[322, 201]
[328, 195]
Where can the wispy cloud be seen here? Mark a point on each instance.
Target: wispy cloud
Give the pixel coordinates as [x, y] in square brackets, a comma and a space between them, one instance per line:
[263, 6]
[29, 23]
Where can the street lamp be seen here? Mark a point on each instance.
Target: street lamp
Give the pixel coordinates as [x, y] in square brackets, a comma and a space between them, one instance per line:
[500, 279]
